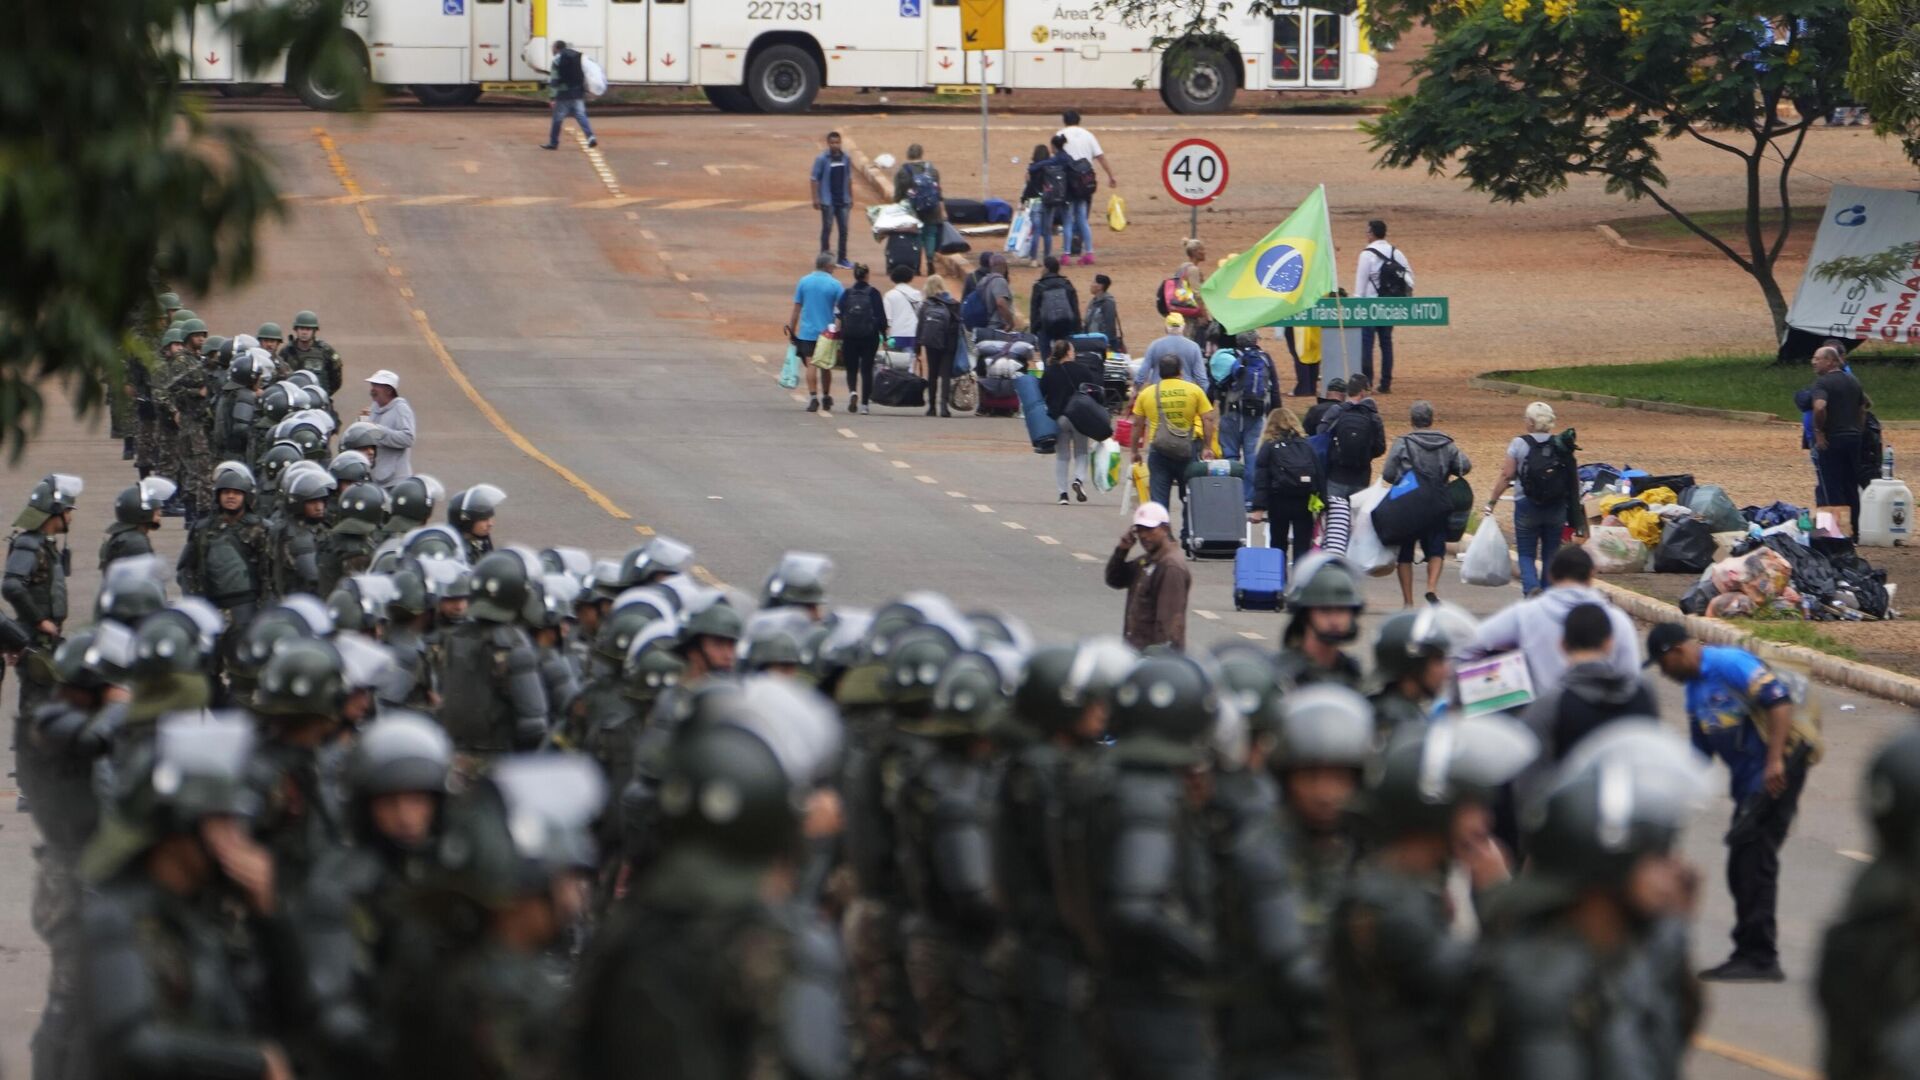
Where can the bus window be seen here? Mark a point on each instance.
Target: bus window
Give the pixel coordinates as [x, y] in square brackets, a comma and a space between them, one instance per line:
[1327, 54]
[1286, 47]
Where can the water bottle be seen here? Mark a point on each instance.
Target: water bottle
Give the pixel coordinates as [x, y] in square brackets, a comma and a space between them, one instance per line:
[1886, 463]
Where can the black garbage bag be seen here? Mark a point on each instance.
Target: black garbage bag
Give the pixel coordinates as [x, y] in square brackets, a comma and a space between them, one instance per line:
[1686, 547]
[1697, 598]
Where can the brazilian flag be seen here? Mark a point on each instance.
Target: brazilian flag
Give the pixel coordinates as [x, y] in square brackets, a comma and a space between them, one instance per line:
[1281, 275]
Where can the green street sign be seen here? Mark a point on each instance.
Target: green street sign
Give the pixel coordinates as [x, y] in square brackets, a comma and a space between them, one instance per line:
[1373, 311]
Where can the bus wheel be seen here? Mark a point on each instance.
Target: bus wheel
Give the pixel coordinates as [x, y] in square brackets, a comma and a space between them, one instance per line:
[1198, 81]
[445, 95]
[328, 91]
[731, 99]
[783, 79]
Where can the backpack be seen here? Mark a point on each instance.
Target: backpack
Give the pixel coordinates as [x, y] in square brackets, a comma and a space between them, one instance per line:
[1872, 445]
[1173, 297]
[975, 312]
[1543, 473]
[1251, 380]
[936, 328]
[924, 195]
[1293, 468]
[1391, 278]
[1055, 311]
[857, 319]
[1055, 183]
[1352, 440]
[1081, 182]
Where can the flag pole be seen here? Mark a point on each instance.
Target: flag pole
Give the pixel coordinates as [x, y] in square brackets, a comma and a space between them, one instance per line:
[1339, 309]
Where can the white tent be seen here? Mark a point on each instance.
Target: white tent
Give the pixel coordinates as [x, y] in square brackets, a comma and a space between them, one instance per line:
[1862, 221]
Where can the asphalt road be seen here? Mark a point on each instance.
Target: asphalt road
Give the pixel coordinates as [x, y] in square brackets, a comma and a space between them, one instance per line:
[599, 335]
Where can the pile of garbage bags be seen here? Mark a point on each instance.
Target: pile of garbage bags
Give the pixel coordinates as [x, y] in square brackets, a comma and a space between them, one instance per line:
[1825, 581]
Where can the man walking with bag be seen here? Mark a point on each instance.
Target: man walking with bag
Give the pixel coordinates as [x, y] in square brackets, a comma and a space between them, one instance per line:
[569, 85]
[917, 183]
[1084, 149]
[1357, 436]
[1383, 270]
[1170, 416]
[1245, 396]
[814, 300]
[1433, 459]
[1053, 307]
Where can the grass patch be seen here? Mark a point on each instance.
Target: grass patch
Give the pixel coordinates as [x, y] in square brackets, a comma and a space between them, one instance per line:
[1728, 225]
[1747, 383]
[1787, 629]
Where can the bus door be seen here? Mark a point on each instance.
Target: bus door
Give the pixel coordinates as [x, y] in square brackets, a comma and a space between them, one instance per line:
[212, 55]
[1327, 49]
[1286, 61]
[647, 41]
[501, 31]
[947, 62]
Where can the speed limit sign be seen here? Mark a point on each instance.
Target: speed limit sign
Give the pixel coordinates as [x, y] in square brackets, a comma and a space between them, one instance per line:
[1195, 172]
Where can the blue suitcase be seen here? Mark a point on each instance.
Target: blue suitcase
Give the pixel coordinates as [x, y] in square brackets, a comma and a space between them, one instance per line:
[1041, 428]
[1259, 575]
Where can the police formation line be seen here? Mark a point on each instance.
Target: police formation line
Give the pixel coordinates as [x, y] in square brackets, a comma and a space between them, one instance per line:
[517, 813]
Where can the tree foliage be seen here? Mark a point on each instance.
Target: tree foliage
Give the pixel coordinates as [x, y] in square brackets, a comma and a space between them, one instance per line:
[110, 175]
[1519, 96]
[1885, 72]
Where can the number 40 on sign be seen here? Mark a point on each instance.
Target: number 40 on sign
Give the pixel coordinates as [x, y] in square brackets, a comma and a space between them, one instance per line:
[1195, 172]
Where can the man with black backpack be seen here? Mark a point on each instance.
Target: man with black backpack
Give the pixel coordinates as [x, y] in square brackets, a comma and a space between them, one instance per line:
[1540, 464]
[938, 338]
[917, 183]
[1358, 436]
[1054, 178]
[1053, 308]
[1245, 396]
[1085, 150]
[1383, 271]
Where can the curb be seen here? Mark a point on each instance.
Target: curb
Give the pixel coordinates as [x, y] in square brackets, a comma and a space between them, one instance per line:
[1613, 401]
[1851, 674]
[1613, 237]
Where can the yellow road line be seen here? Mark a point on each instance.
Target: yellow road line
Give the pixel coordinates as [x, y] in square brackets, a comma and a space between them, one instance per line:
[1753, 1059]
[339, 166]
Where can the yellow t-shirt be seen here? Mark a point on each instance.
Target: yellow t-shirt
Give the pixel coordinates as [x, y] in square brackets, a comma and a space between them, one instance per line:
[1185, 404]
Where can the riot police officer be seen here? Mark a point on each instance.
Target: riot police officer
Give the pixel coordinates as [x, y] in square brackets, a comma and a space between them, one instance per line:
[271, 337]
[1060, 710]
[347, 548]
[799, 581]
[299, 701]
[414, 499]
[549, 606]
[775, 642]
[238, 404]
[35, 581]
[1583, 968]
[1412, 661]
[225, 556]
[136, 514]
[946, 862]
[307, 352]
[176, 983]
[654, 561]
[293, 542]
[1326, 603]
[710, 636]
[1400, 975]
[491, 697]
[408, 616]
[471, 515]
[1137, 877]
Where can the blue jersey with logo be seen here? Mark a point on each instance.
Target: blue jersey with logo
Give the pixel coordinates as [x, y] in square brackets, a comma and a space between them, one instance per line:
[1733, 685]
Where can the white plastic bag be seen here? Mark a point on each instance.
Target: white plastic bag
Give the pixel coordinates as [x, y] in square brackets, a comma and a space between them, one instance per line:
[1364, 549]
[1615, 551]
[892, 218]
[595, 77]
[1109, 462]
[1487, 561]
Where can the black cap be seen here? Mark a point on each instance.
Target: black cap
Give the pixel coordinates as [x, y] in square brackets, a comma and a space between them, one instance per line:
[1337, 386]
[1663, 639]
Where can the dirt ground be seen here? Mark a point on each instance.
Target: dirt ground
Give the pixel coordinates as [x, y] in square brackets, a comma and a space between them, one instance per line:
[1532, 285]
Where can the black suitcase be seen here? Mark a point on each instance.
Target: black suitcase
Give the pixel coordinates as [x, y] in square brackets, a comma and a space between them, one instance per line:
[1215, 512]
[903, 249]
[898, 389]
[966, 211]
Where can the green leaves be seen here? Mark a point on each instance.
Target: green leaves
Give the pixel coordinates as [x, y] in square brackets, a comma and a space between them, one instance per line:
[109, 177]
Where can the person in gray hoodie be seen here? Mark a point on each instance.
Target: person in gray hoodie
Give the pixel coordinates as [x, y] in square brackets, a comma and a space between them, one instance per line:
[1535, 625]
[1435, 459]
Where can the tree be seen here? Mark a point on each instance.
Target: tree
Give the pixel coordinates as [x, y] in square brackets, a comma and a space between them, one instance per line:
[111, 175]
[1884, 74]
[1518, 97]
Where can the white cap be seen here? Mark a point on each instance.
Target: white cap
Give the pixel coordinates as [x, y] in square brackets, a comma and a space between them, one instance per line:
[385, 378]
[1151, 515]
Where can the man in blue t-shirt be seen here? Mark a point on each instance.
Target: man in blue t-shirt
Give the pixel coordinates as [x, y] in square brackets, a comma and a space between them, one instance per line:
[1739, 711]
[813, 304]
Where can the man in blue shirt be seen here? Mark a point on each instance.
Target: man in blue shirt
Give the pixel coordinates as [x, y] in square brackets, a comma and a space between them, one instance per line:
[832, 187]
[1193, 366]
[813, 303]
[1739, 711]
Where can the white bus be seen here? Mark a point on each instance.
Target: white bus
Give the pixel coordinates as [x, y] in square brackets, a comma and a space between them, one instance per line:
[775, 55]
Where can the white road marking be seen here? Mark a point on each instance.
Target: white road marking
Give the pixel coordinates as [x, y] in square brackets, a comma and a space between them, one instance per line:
[1014, 525]
[983, 508]
[757, 358]
[898, 464]
[872, 446]
[956, 494]
[1084, 557]
[680, 277]
[1207, 615]
[1856, 856]
[647, 234]
[631, 216]
[1048, 540]
[698, 298]
[1252, 636]
[847, 433]
[926, 479]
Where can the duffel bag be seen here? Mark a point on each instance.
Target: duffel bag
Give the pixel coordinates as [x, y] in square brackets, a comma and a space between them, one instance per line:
[1411, 510]
[1089, 416]
[897, 389]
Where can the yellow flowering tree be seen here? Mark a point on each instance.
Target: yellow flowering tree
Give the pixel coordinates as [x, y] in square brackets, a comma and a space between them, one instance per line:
[1519, 98]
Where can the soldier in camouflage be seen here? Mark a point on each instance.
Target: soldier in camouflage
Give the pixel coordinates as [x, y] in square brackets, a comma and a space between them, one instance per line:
[189, 394]
[307, 352]
[492, 700]
[298, 703]
[1325, 604]
[294, 540]
[471, 515]
[136, 514]
[347, 548]
[35, 583]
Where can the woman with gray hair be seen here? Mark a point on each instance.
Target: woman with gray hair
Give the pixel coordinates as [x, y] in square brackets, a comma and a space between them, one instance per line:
[1543, 469]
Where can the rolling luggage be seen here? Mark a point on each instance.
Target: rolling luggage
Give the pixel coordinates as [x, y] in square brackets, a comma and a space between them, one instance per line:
[1259, 575]
[903, 249]
[898, 389]
[997, 397]
[1214, 516]
[1090, 343]
[1042, 431]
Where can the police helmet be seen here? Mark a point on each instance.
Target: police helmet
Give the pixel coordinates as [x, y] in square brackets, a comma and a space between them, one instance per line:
[1324, 725]
[365, 664]
[233, 476]
[1625, 791]
[181, 315]
[1061, 681]
[363, 509]
[662, 556]
[1892, 797]
[1426, 770]
[190, 327]
[169, 302]
[1407, 639]
[306, 320]
[433, 543]
[916, 609]
[1247, 679]
[446, 579]
[295, 617]
[132, 588]
[652, 664]
[303, 677]
[477, 503]
[409, 588]
[217, 349]
[400, 752]
[800, 579]
[361, 434]
[994, 628]
[917, 659]
[712, 616]
[558, 595]
[276, 458]
[305, 486]
[196, 768]
[633, 610]
[57, 493]
[270, 332]
[352, 467]
[723, 787]
[77, 663]
[568, 560]
[276, 401]
[974, 694]
[176, 640]
[172, 336]
[415, 497]
[360, 601]
[774, 638]
[832, 646]
[1324, 580]
[499, 583]
[527, 823]
[1165, 710]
